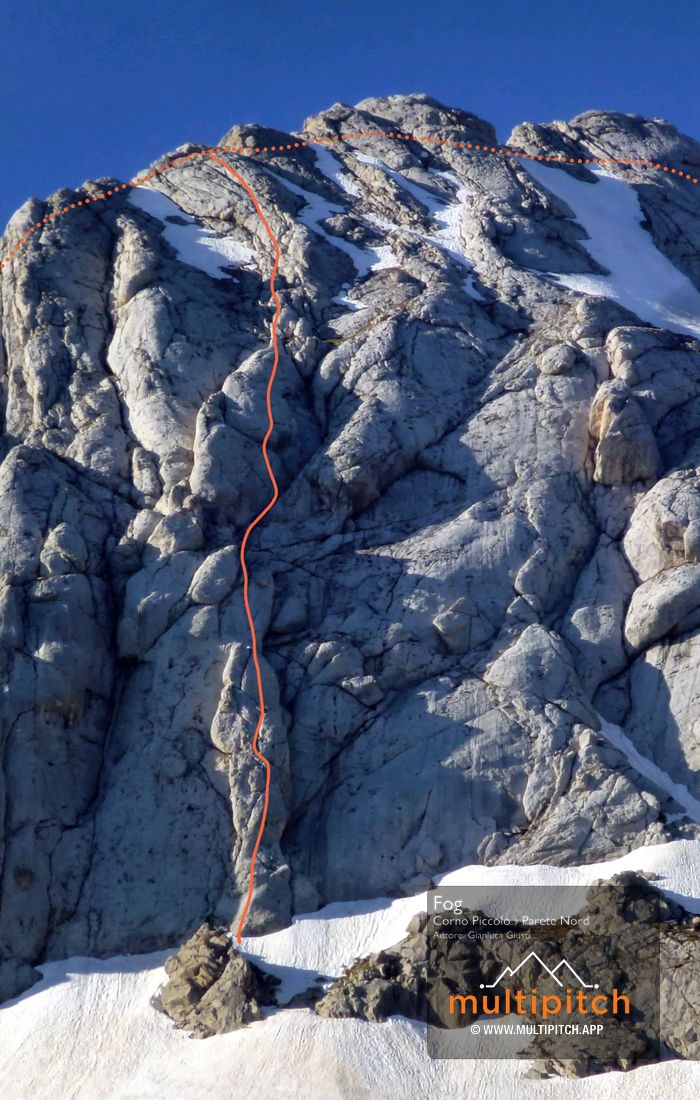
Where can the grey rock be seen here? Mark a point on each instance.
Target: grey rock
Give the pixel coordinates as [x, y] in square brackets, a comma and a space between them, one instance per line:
[462, 627]
[691, 541]
[480, 473]
[291, 617]
[557, 360]
[540, 665]
[176, 532]
[661, 605]
[16, 976]
[215, 577]
[655, 536]
[594, 620]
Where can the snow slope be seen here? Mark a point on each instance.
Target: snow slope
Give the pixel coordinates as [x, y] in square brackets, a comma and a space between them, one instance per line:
[327, 941]
[87, 1030]
[194, 245]
[93, 1036]
[327, 163]
[641, 278]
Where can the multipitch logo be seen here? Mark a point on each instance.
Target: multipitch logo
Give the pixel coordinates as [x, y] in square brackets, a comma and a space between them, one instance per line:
[541, 1005]
[508, 972]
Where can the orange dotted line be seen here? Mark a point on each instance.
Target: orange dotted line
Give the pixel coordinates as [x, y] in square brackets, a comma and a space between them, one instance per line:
[249, 150]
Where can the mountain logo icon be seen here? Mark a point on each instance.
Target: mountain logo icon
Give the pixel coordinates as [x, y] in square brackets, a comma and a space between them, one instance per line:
[564, 965]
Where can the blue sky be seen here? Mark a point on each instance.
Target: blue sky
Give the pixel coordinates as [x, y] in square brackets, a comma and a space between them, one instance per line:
[96, 88]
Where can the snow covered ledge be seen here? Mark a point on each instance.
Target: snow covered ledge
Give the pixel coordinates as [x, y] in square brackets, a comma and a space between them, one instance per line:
[87, 1029]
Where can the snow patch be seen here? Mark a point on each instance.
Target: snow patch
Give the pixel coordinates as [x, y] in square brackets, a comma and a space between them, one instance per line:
[449, 218]
[677, 791]
[472, 291]
[341, 299]
[326, 942]
[447, 215]
[332, 169]
[314, 213]
[194, 245]
[641, 278]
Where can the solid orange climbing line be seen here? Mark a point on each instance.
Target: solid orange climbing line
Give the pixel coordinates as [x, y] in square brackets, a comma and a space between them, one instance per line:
[250, 528]
[248, 151]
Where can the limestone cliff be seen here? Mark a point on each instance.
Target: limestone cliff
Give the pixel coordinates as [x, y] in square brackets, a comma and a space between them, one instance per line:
[488, 533]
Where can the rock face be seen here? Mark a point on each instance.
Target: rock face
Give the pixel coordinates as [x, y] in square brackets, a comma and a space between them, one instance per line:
[486, 535]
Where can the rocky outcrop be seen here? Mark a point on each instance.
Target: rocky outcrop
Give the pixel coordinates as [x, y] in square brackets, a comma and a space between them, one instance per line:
[633, 936]
[389, 983]
[481, 471]
[626, 449]
[212, 989]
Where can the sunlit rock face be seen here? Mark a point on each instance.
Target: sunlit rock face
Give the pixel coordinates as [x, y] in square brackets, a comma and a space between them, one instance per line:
[488, 530]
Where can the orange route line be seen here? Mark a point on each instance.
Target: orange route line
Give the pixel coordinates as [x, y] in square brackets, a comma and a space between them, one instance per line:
[247, 150]
[249, 530]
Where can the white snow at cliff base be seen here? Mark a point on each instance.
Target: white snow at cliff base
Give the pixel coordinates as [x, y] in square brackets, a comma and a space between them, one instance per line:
[88, 1030]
